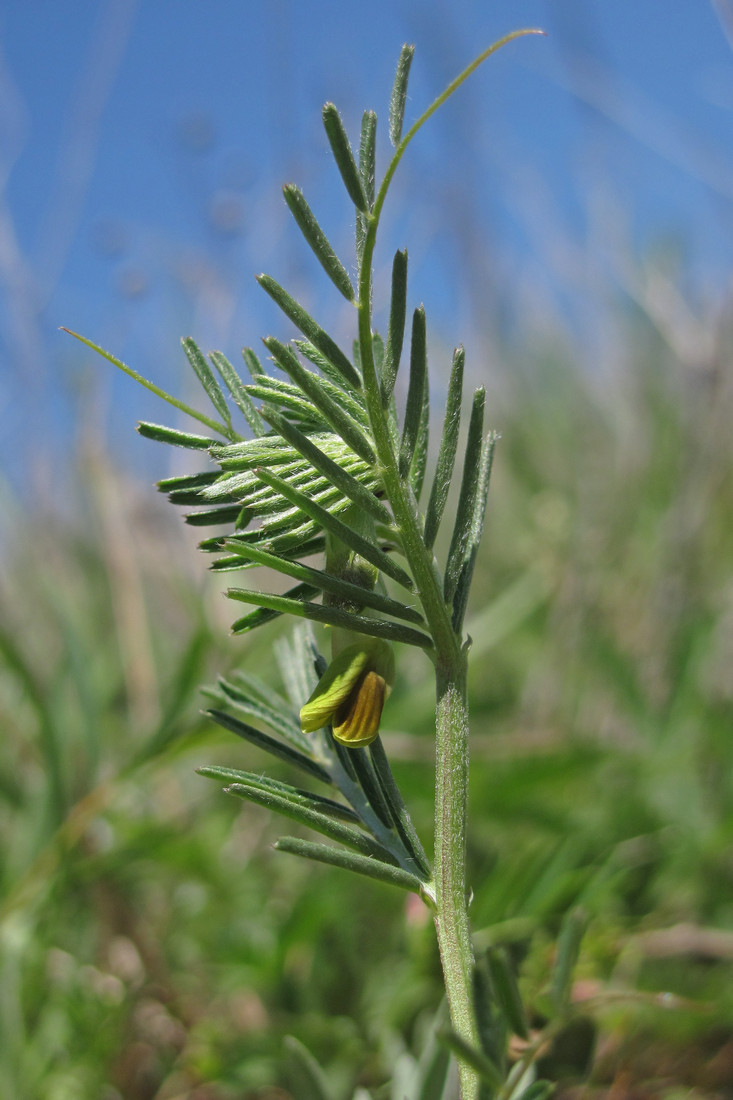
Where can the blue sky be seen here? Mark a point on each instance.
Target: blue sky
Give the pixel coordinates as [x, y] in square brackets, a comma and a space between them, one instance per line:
[143, 144]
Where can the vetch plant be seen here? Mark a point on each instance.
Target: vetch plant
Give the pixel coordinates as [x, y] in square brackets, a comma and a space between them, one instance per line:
[330, 467]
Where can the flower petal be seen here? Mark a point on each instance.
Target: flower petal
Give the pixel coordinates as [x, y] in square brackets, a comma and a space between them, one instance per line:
[356, 722]
[334, 687]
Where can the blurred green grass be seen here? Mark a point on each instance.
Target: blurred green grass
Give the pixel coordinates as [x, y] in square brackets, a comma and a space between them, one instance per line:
[152, 945]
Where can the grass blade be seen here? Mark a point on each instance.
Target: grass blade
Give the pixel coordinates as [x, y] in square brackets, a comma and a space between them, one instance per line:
[51, 737]
[310, 328]
[448, 448]
[399, 95]
[506, 991]
[478, 1061]
[317, 240]
[571, 934]
[306, 1077]
[344, 157]
[490, 1024]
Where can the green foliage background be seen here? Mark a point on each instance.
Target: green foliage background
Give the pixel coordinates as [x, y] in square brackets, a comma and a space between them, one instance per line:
[151, 942]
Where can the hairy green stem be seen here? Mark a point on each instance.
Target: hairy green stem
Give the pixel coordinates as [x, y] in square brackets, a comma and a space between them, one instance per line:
[451, 915]
[451, 773]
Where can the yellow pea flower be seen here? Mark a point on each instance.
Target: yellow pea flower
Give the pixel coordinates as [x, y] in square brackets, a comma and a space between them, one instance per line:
[351, 693]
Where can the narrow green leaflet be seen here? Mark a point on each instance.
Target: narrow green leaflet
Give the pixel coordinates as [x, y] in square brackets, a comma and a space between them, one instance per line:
[269, 744]
[350, 400]
[268, 451]
[448, 448]
[341, 383]
[415, 391]
[367, 779]
[297, 658]
[467, 497]
[350, 486]
[290, 398]
[349, 861]
[252, 362]
[207, 379]
[213, 425]
[275, 720]
[175, 437]
[420, 456]
[352, 593]
[336, 415]
[344, 157]
[266, 614]
[367, 154]
[314, 819]
[399, 95]
[341, 531]
[186, 489]
[258, 689]
[238, 391]
[367, 172]
[310, 328]
[345, 758]
[213, 516]
[460, 600]
[398, 811]
[332, 616]
[396, 330]
[339, 810]
[317, 240]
